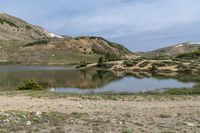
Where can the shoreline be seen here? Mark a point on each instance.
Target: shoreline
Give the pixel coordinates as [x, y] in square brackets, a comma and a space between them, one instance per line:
[118, 66]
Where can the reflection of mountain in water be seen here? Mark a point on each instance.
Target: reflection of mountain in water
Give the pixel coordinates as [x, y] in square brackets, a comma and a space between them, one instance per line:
[83, 79]
[60, 78]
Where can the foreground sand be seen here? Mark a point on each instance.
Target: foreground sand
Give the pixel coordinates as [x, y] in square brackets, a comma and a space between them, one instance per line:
[128, 114]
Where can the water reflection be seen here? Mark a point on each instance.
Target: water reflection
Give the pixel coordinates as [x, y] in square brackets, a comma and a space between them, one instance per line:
[57, 78]
[62, 79]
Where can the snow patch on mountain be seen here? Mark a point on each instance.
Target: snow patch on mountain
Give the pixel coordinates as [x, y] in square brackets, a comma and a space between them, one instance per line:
[181, 45]
[52, 35]
[193, 43]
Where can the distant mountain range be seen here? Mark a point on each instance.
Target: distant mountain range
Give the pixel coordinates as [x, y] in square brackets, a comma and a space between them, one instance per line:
[181, 48]
[21, 42]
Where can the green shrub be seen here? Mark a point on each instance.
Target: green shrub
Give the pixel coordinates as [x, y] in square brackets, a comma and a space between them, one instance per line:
[191, 55]
[195, 90]
[161, 57]
[112, 57]
[38, 42]
[105, 65]
[153, 68]
[82, 64]
[28, 27]
[129, 63]
[184, 91]
[143, 64]
[101, 61]
[186, 70]
[2, 21]
[29, 85]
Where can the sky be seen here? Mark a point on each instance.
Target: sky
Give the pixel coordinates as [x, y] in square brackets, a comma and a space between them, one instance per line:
[140, 25]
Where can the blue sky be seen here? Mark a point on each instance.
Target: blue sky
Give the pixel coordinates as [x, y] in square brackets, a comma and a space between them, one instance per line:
[140, 25]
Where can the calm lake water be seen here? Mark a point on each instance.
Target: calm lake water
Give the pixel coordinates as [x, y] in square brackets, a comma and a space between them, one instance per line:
[62, 79]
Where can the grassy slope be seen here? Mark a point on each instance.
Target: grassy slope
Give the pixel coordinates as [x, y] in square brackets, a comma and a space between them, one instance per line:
[10, 51]
[191, 55]
[59, 51]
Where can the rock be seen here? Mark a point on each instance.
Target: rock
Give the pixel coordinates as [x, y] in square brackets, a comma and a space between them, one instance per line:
[6, 120]
[88, 100]
[38, 114]
[4, 114]
[80, 106]
[190, 124]
[23, 116]
[175, 115]
[28, 123]
[113, 121]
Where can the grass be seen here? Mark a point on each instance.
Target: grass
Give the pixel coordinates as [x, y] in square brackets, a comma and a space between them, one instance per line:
[171, 94]
[72, 57]
[55, 95]
[168, 132]
[78, 115]
[40, 56]
[127, 131]
[183, 91]
[15, 121]
[139, 124]
[164, 116]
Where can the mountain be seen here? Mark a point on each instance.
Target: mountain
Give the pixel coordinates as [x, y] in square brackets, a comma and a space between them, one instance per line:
[15, 28]
[23, 43]
[176, 49]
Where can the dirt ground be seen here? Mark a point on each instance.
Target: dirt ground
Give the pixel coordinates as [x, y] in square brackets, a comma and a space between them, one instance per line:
[131, 114]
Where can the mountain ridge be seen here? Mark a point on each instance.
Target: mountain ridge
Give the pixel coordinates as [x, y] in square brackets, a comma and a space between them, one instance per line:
[176, 49]
[13, 28]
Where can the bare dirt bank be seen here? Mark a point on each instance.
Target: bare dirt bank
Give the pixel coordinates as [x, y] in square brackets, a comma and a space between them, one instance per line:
[136, 114]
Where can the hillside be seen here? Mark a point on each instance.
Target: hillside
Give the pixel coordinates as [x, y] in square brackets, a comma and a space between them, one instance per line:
[59, 51]
[176, 49]
[15, 28]
[23, 43]
[191, 55]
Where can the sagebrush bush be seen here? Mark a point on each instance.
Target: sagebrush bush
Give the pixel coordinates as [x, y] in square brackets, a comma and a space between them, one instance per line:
[29, 85]
[129, 63]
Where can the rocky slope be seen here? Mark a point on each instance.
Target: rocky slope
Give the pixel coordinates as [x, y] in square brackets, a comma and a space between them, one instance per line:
[15, 28]
[176, 49]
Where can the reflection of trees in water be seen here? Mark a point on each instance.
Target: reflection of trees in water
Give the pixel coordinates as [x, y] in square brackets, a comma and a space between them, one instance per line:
[103, 75]
[180, 77]
[56, 79]
[78, 78]
[104, 78]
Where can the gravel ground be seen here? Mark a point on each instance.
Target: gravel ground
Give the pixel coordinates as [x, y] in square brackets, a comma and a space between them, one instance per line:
[124, 115]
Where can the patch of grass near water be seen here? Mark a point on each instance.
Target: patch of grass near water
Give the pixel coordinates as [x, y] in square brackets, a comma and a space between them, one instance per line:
[184, 91]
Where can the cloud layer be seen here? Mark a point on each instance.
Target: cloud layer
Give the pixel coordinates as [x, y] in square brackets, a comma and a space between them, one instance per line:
[138, 24]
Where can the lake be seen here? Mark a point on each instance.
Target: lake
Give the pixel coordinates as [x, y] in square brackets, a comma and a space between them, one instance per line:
[68, 79]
